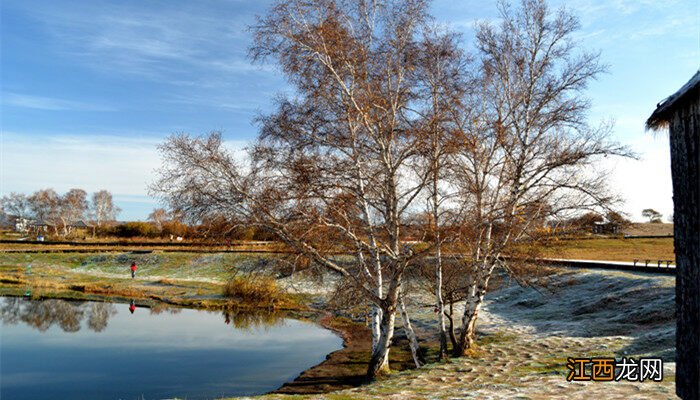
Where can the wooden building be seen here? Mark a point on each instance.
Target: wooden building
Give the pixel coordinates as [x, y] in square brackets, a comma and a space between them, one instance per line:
[605, 227]
[80, 227]
[680, 113]
[39, 227]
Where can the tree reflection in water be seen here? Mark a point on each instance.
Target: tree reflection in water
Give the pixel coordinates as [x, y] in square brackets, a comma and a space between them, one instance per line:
[68, 315]
[249, 319]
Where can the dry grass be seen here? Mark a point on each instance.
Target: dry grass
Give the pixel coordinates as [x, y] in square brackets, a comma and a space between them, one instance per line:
[256, 289]
[612, 249]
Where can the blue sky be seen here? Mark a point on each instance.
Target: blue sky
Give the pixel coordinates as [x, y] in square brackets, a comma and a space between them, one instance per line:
[89, 88]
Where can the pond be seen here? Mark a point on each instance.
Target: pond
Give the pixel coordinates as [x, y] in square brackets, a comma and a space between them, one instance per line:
[87, 350]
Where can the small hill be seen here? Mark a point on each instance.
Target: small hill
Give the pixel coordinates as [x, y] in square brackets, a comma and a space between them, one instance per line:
[649, 229]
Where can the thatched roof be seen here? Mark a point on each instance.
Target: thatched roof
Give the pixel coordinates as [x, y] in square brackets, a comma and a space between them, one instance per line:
[40, 223]
[664, 110]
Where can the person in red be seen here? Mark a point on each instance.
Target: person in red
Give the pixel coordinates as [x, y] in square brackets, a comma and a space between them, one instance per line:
[132, 306]
[133, 270]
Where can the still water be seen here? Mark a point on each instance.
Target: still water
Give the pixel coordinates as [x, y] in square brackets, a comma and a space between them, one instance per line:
[85, 350]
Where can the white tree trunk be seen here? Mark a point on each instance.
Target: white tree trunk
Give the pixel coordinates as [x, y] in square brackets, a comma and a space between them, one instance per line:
[475, 299]
[377, 313]
[375, 325]
[411, 334]
[467, 336]
[379, 361]
[440, 304]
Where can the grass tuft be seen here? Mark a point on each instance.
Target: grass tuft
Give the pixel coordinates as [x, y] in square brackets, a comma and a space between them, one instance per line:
[255, 289]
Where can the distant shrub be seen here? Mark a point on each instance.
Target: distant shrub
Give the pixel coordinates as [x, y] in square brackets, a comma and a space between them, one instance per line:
[264, 235]
[135, 229]
[246, 234]
[176, 228]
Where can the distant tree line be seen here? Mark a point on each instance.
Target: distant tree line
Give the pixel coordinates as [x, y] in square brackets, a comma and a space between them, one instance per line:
[165, 224]
[584, 222]
[59, 214]
[47, 212]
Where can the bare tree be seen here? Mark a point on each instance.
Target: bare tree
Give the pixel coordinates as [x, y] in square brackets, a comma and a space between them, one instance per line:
[529, 153]
[385, 115]
[16, 204]
[350, 132]
[103, 208]
[72, 208]
[159, 216]
[330, 172]
[45, 204]
[443, 76]
[15, 208]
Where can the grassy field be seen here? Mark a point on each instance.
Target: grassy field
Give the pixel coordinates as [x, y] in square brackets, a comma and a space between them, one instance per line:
[20, 246]
[183, 279]
[213, 267]
[612, 249]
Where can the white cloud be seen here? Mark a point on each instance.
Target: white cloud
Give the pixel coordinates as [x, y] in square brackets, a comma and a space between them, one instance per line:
[123, 165]
[49, 103]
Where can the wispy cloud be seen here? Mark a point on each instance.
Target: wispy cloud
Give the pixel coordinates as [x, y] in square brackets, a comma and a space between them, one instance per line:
[625, 20]
[150, 41]
[184, 49]
[49, 103]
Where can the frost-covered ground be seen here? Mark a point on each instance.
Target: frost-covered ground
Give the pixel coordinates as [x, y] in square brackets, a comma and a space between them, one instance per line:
[526, 336]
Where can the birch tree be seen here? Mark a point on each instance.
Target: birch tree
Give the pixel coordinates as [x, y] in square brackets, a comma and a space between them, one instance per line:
[443, 78]
[15, 204]
[103, 208]
[72, 208]
[45, 207]
[159, 216]
[15, 208]
[528, 154]
[385, 116]
[330, 171]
